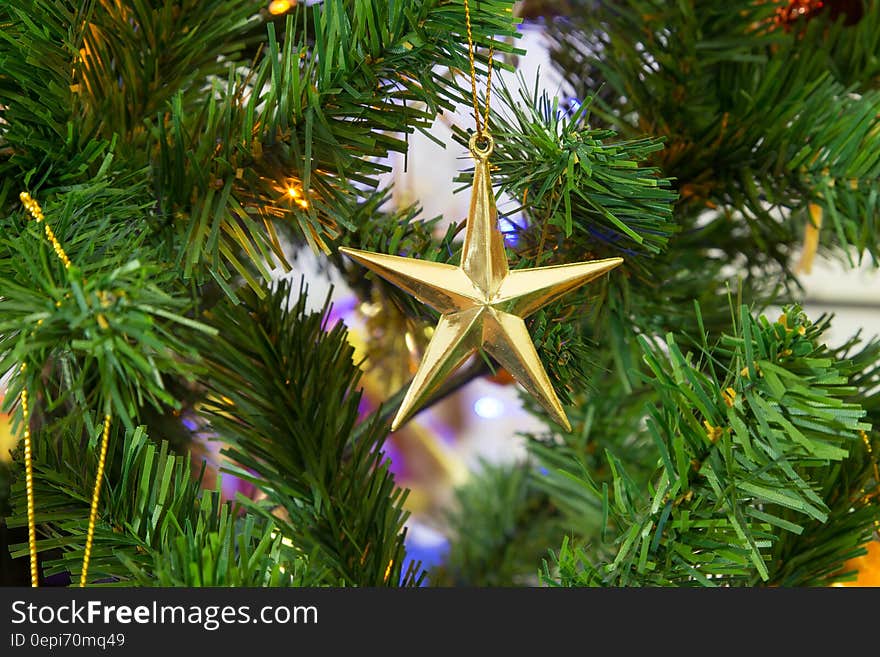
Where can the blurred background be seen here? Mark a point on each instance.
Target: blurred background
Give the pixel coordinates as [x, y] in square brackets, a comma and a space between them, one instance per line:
[481, 423]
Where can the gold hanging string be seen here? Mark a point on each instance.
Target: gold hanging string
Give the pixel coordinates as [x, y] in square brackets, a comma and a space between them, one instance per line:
[482, 127]
[33, 208]
[96, 494]
[29, 483]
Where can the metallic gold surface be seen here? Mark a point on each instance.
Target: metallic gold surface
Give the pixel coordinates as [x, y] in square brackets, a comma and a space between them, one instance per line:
[482, 303]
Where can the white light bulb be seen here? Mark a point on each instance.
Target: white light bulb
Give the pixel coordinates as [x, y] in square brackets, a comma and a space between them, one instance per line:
[488, 407]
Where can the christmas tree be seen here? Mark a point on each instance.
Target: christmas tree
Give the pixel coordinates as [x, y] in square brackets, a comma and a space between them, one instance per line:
[161, 161]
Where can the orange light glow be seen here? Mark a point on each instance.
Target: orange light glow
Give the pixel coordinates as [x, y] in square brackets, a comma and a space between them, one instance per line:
[295, 193]
[8, 440]
[280, 6]
[867, 565]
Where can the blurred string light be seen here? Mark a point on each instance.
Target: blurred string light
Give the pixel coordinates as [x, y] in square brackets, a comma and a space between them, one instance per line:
[295, 194]
[488, 408]
[568, 108]
[8, 440]
[511, 228]
[425, 546]
[572, 106]
[277, 7]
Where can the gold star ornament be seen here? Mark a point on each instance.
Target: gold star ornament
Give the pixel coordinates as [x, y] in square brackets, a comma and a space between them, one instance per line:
[482, 303]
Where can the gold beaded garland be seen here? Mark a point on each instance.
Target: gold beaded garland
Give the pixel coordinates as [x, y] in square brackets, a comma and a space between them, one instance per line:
[34, 210]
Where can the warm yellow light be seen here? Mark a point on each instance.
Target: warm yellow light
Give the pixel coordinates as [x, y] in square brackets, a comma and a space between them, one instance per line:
[295, 193]
[8, 440]
[280, 6]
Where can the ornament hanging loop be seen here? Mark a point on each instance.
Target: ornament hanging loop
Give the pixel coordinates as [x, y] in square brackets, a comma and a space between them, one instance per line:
[482, 125]
[481, 145]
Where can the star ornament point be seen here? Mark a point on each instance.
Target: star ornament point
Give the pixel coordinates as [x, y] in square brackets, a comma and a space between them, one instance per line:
[482, 304]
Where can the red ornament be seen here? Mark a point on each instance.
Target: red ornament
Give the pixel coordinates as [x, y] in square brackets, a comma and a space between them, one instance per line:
[795, 10]
[501, 377]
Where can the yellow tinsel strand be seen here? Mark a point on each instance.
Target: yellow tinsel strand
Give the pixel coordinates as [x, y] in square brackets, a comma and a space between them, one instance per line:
[29, 485]
[33, 208]
[93, 513]
[36, 212]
